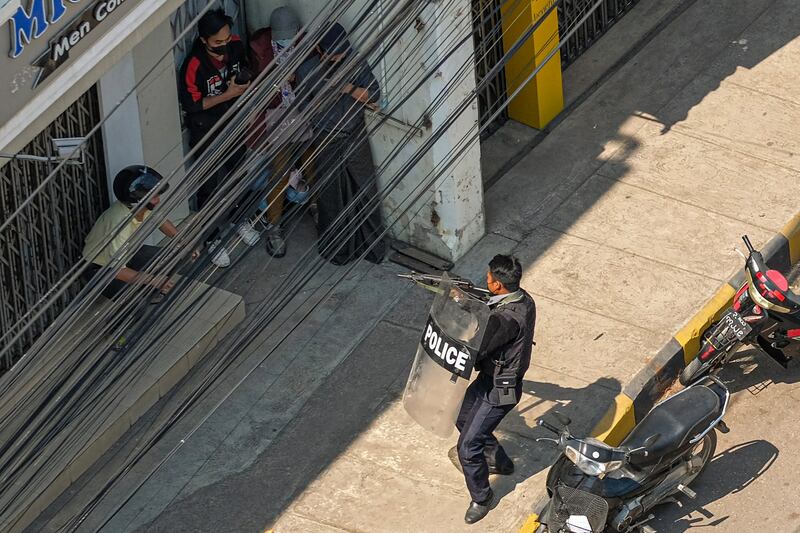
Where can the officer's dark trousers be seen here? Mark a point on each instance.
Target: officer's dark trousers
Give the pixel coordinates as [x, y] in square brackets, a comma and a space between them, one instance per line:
[476, 444]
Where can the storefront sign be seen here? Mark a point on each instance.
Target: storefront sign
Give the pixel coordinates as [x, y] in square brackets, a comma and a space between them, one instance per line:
[31, 24]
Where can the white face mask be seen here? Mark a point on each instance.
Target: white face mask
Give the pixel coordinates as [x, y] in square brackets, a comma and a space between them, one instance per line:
[284, 43]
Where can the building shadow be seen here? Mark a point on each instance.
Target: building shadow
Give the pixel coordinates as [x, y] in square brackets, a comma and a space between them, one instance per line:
[350, 399]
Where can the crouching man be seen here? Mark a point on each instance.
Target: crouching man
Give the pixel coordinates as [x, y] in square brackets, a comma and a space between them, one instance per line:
[131, 185]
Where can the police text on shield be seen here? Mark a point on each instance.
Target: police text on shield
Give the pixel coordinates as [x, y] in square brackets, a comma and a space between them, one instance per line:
[448, 353]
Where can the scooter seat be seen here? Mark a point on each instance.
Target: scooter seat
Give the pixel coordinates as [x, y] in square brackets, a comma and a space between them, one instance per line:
[677, 420]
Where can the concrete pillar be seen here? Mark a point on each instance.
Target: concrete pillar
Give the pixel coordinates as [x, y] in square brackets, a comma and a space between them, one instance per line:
[146, 128]
[449, 219]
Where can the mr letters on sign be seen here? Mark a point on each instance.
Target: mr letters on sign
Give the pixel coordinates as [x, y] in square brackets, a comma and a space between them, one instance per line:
[451, 354]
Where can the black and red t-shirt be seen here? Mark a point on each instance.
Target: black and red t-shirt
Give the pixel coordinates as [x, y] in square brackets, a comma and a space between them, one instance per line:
[201, 76]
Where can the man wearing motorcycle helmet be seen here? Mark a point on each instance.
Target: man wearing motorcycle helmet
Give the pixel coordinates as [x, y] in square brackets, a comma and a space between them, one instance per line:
[115, 226]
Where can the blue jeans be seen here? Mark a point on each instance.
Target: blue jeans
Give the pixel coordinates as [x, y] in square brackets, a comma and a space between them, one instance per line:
[260, 184]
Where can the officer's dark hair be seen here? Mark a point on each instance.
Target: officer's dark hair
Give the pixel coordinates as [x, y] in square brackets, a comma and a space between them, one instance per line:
[507, 270]
[213, 21]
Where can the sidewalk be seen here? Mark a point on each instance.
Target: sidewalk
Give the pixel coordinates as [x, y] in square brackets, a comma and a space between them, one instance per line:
[624, 217]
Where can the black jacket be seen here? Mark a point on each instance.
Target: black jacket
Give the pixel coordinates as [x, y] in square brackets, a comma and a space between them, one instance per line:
[508, 339]
[338, 115]
[200, 78]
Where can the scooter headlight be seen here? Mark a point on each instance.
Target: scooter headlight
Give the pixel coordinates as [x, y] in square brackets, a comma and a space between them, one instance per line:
[590, 466]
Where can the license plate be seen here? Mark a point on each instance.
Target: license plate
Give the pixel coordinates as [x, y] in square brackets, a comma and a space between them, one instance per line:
[734, 326]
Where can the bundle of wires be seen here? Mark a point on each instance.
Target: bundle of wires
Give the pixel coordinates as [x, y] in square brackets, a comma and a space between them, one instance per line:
[70, 382]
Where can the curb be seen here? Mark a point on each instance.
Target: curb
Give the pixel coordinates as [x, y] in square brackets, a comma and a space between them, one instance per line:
[782, 252]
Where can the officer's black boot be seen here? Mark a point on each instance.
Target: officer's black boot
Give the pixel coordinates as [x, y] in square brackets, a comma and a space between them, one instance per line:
[501, 464]
[476, 511]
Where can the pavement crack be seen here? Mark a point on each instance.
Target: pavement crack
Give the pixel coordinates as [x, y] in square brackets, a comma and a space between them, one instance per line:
[689, 132]
[683, 202]
[322, 522]
[398, 325]
[646, 258]
[592, 311]
[760, 91]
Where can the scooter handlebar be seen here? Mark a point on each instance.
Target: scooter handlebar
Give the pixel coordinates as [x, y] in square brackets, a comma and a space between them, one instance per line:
[748, 244]
[548, 426]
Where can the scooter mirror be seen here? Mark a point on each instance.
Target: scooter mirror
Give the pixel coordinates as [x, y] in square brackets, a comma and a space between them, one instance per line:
[564, 420]
[652, 439]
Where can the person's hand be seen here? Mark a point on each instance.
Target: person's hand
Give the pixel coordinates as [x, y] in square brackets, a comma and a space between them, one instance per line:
[373, 106]
[163, 283]
[348, 88]
[167, 286]
[235, 90]
[195, 255]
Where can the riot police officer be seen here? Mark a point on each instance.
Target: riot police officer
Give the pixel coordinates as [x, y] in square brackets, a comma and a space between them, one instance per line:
[504, 357]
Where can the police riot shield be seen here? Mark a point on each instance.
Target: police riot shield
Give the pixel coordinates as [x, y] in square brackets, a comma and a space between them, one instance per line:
[445, 358]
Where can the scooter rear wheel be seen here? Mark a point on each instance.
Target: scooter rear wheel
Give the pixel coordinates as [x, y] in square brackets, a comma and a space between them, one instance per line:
[705, 448]
[692, 372]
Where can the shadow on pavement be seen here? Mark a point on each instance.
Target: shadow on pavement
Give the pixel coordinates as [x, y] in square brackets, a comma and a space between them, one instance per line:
[664, 87]
[731, 471]
[753, 370]
[531, 457]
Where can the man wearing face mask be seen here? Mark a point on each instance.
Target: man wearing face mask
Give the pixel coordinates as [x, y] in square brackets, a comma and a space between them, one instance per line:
[208, 88]
[504, 358]
[348, 219]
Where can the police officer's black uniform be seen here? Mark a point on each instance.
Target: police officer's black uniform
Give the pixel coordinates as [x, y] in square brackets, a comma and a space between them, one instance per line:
[503, 360]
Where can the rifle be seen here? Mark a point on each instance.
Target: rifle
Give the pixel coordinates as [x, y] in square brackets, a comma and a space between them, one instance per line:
[432, 283]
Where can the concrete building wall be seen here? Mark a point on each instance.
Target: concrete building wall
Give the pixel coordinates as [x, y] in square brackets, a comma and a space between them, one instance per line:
[144, 128]
[159, 109]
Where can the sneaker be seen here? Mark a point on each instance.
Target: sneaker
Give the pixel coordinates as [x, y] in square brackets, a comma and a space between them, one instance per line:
[276, 245]
[120, 344]
[249, 235]
[314, 212]
[260, 223]
[221, 258]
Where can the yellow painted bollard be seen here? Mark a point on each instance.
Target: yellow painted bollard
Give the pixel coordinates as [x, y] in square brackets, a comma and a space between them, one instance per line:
[543, 97]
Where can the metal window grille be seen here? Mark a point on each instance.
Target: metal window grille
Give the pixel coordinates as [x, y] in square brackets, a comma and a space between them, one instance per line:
[487, 36]
[489, 47]
[570, 11]
[47, 237]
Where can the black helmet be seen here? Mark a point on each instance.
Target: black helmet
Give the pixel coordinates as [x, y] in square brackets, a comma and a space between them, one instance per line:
[132, 183]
